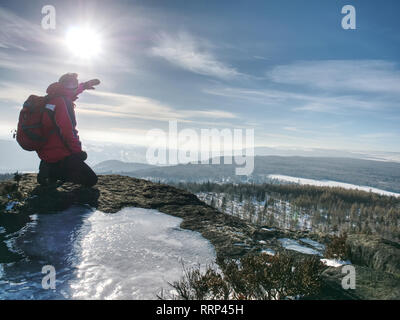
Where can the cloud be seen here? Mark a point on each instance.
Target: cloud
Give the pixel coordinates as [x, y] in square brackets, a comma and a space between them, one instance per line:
[330, 86]
[212, 114]
[377, 135]
[315, 102]
[373, 76]
[184, 51]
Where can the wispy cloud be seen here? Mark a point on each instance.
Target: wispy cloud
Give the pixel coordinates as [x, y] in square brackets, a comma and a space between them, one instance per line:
[286, 99]
[185, 51]
[376, 135]
[124, 105]
[345, 75]
[294, 129]
[332, 86]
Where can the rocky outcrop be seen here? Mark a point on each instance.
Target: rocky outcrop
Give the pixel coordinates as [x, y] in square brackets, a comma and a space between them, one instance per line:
[374, 252]
[112, 193]
[231, 236]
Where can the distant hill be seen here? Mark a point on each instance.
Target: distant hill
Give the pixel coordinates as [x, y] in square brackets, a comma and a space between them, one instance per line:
[13, 158]
[378, 174]
[116, 166]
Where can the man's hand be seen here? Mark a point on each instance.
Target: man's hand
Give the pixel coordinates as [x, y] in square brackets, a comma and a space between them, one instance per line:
[89, 85]
[79, 155]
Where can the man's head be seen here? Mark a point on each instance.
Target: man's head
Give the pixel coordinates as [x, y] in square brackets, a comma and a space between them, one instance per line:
[69, 81]
[71, 86]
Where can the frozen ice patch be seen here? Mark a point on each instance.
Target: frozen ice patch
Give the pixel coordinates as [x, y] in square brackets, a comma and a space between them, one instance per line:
[291, 244]
[131, 254]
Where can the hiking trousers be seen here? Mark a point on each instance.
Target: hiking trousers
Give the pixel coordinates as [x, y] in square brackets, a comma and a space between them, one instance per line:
[70, 169]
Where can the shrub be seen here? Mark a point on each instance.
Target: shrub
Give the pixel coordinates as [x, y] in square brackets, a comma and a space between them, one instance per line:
[196, 285]
[255, 276]
[337, 248]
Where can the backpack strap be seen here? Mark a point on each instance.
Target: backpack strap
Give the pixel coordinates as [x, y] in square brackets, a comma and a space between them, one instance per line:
[71, 114]
[51, 114]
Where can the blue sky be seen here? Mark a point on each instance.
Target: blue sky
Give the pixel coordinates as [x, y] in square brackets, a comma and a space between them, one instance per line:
[285, 68]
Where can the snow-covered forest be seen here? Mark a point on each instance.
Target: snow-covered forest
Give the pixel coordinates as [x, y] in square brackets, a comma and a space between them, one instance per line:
[325, 209]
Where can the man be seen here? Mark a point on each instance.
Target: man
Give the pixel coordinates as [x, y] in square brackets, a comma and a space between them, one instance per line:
[62, 157]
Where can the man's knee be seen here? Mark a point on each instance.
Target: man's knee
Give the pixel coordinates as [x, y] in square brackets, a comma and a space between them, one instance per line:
[79, 172]
[91, 180]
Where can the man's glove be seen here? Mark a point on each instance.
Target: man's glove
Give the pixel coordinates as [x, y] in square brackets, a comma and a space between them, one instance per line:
[83, 155]
[79, 155]
[89, 85]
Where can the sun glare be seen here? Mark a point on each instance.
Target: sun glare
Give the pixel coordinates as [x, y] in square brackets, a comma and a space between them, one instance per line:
[85, 43]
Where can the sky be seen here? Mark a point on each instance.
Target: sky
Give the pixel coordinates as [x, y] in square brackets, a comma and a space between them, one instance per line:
[286, 69]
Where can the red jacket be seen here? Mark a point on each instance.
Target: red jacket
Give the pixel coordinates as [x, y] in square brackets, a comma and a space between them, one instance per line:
[55, 149]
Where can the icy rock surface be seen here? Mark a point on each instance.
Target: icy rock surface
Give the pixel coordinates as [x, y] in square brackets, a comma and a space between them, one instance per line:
[131, 254]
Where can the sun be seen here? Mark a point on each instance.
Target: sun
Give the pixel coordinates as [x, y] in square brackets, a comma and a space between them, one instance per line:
[84, 42]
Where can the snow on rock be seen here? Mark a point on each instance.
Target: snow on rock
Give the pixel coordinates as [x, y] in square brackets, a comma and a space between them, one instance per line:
[268, 251]
[268, 229]
[335, 263]
[131, 254]
[313, 243]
